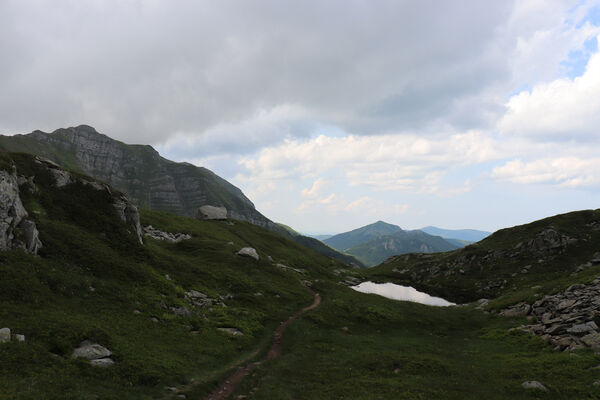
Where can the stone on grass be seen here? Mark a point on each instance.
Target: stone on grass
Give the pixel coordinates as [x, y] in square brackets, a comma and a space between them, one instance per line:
[19, 337]
[248, 252]
[4, 335]
[231, 331]
[102, 362]
[534, 385]
[91, 351]
[212, 212]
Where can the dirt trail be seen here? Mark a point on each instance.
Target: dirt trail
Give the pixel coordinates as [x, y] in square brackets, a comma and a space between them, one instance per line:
[227, 387]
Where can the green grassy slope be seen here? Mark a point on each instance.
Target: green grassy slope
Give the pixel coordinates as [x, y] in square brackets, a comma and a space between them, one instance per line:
[141, 173]
[358, 346]
[518, 263]
[92, 274]
[377, 250]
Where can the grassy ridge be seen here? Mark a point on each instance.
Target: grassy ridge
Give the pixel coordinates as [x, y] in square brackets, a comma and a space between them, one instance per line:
[506, 264]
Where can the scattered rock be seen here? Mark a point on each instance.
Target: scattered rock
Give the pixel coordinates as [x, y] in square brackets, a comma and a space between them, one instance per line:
[231, 331]
[534, 385]
[181, 311]
[166, 236]
[212, 212]
[91, 351]
[518, 310]
[4, 335]
[566, 319]
[102, 362]
[248, 252]
[19, 337]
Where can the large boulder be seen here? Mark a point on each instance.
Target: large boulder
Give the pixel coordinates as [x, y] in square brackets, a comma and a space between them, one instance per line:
[212, 212]
[4, 335]
[248, 252]
[91, 351]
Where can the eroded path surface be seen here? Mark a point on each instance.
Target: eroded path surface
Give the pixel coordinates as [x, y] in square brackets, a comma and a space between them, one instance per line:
[226, 388]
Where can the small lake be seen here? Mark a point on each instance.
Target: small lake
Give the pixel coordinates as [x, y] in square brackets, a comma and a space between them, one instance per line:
[398, 292]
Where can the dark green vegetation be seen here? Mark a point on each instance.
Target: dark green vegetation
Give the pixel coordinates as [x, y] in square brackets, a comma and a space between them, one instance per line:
[150, 180]
[374, 243]
[519, 263]
[92, 275]
[469, 235]
[358, 346]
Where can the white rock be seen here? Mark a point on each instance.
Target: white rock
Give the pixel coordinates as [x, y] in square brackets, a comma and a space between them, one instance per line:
[212, 212]
[231, 331]
[4, 335]
[248, 252]
[91, 351]
[102, 362]
[534, 385]
[19, 337]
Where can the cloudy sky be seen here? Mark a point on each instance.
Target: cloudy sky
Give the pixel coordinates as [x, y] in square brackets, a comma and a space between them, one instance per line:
[331, 115]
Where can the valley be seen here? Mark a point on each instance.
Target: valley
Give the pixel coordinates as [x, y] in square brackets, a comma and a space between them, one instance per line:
[180, 310]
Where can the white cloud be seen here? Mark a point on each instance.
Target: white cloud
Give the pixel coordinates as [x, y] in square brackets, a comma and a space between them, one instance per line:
[563, 109]
[566, 172]
[386, 162]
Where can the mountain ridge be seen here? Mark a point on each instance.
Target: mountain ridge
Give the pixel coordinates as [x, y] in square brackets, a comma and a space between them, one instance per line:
[149, 180]
[471, 235]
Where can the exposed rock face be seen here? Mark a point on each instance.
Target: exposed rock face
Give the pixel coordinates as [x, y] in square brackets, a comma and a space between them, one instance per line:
[147, 178]
[212, 212]
[15, 230]
[567, 320]
[129, 214]
[248, 252]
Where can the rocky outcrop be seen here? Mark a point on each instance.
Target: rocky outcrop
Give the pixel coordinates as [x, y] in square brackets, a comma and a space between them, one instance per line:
[567, 320]
[129, 214]
[212, 212]
[157, 234]
[16, 231]
[248, 252]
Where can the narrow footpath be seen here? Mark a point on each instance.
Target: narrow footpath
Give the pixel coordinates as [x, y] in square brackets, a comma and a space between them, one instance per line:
[226, 388]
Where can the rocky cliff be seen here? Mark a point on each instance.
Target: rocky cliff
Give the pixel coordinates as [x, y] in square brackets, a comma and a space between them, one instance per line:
[16, 231]
[150, 180]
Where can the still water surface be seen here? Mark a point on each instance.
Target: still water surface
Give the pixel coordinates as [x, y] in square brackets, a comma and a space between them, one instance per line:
[398, 292]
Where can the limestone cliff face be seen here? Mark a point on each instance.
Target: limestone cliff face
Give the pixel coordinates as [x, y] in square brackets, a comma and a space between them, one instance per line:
[16, 231]
[147, 178]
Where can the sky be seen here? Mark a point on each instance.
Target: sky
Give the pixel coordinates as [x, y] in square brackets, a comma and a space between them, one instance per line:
[477, 114]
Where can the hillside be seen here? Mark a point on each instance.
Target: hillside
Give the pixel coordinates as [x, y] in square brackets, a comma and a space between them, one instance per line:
[150, 180]
[374, 243]
[469, 235]
[516, 262]
[346, 240]
[179, 311]
[375, 251]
